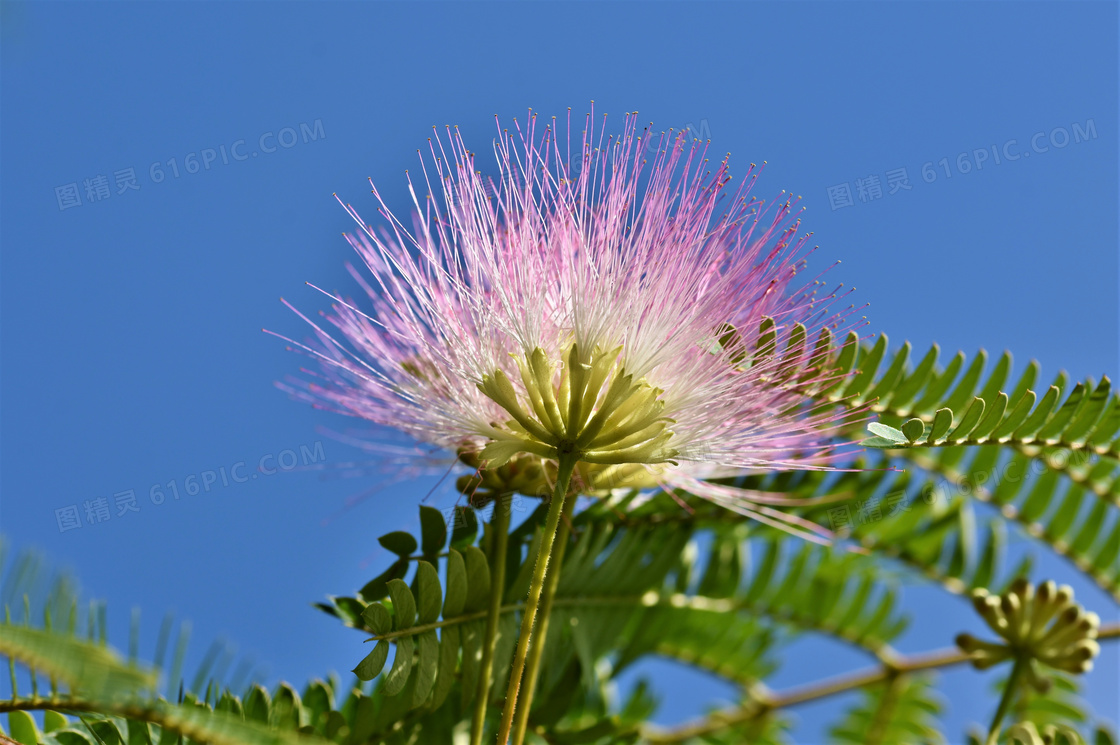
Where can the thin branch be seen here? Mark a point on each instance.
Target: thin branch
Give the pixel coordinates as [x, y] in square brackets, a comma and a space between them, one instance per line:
[736, 715]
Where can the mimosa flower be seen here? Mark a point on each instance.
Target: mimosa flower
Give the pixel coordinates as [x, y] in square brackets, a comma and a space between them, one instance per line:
[639, 318]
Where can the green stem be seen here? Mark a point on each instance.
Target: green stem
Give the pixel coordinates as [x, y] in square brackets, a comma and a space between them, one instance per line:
[1021, 662]
[536, 651]
[499, 535]
[567, 464]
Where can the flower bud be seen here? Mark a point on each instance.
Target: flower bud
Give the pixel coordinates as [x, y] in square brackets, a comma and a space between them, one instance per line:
[1044, 626]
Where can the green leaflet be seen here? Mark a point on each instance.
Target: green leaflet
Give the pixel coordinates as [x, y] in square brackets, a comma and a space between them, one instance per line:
[22, 728]
[371, 665]
[433, 531]
[429, 597]
[885, 436]
[397, 677]
[1087, 419]
[399, 542]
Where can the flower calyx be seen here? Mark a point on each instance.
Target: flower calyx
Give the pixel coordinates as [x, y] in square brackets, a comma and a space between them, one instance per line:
[522, 474]
[589, 410]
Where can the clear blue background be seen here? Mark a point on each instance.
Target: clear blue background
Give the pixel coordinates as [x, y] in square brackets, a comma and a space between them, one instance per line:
[132, 344]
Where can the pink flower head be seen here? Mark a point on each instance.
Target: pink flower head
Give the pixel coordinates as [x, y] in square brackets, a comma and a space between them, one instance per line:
[637, 315]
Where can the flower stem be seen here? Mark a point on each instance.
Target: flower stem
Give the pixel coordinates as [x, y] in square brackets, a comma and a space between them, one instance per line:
[1021, 662]
[536, 651]
[567, 464]
[499, 536]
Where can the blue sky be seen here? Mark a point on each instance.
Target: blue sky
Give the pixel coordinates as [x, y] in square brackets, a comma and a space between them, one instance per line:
[132, 346]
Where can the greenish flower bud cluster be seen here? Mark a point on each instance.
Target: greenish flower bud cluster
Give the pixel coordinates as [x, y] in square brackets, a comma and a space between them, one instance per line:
[1026, 733]
[522, 474]
[1041, 625]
